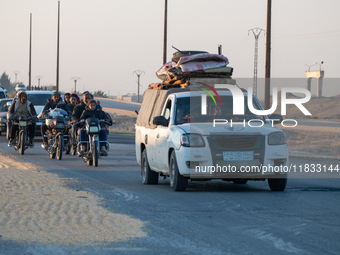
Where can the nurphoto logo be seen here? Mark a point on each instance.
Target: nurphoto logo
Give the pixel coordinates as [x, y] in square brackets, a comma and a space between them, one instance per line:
[238, 102]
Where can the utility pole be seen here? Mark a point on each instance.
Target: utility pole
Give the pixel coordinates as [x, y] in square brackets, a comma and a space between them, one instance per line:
[57, 81]
[16, 74]
[138, 73]
[30, 54]
[38, 77]
[75, 83]
[219, 49]
[165, 30]
[268, 42]
[256, 31]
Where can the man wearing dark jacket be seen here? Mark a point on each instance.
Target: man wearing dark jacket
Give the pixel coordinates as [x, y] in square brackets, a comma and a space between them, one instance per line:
[24, 108]
[55, 102]
[89, 112]
[77, 111]
[72, 104]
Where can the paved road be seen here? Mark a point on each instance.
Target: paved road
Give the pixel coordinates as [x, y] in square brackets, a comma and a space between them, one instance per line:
[119, 105]
[209, 218]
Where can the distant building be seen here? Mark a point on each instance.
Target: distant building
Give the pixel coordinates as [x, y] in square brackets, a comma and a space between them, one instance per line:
[130, 97]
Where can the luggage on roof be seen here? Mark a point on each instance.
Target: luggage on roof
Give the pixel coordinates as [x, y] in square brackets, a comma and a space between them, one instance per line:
[178, 54]
[189, 64]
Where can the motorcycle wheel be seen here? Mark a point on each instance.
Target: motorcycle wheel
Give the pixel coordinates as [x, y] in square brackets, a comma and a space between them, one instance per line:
[60, 147]
[22, 142]
[8, 130]
[95, 153]
[67, 149]
[52, 155]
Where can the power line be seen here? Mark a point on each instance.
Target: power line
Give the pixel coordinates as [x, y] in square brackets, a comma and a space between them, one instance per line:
[138, 73]
[256, 31]
[16, 74]
[75, 83]
[38, 77]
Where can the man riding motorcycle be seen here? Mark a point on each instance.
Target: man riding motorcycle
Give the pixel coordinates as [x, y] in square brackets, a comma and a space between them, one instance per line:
[21, 108]
[92, 111]
[77, 111]
[55, 102]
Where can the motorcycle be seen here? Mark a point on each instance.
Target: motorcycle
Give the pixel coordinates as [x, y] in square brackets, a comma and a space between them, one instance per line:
[92, 153]
[21, 142]
[57, 135]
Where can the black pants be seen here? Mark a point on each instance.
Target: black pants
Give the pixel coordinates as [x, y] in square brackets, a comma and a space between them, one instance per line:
[30, 131]
[43, 131]
[75, 134]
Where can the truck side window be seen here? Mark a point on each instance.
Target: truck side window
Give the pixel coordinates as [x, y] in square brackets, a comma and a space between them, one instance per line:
[167, 110]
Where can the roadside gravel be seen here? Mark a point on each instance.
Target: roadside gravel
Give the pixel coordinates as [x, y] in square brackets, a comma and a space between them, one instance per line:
[37, 206]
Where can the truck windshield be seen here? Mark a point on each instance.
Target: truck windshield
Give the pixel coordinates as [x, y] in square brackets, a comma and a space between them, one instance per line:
[188, 110]
[39, 99]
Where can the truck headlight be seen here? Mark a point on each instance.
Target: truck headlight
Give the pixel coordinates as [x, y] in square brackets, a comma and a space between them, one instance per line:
[276, 138]
[192, 140]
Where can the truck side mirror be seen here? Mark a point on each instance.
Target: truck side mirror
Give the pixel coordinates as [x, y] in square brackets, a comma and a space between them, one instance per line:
[160, 121]
[278, 117]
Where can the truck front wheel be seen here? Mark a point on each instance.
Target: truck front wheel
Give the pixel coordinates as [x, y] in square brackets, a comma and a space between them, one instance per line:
[177, 181]
[148, 176]
[278, 184]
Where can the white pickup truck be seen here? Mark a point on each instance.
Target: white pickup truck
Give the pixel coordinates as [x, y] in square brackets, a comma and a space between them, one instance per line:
[183, 134]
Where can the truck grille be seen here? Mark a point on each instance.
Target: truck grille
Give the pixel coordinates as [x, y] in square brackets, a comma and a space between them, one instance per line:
[236, 141]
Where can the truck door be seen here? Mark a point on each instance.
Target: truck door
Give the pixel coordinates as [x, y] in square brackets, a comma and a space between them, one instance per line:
[162, 135]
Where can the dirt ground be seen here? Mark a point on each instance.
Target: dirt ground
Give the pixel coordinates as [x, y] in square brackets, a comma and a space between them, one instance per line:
[37, 206]
[319, 143]
[123, 123]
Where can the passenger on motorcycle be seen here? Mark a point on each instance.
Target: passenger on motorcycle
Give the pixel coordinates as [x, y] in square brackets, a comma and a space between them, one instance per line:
[73, 103]
[55, 102]
[76, 95]
[92, 111]
[21, 108]
[67, 98]
[77, 111]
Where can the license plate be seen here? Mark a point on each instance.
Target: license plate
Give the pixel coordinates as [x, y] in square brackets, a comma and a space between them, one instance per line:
[60, 125]
[238, 155]
[93, 129]
[22, 123]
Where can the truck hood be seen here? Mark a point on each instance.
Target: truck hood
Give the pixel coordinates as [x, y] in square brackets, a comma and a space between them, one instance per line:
[38, 108]
[207, 129]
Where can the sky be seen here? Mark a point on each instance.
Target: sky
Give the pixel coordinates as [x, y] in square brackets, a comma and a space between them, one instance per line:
[104, 41]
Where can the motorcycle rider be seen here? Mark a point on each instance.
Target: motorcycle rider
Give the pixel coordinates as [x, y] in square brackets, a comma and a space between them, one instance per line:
[73, 103]
[55, 102]
[92, 111]
[67, 98]
[24, 108]
[77, 111]
[78, 99]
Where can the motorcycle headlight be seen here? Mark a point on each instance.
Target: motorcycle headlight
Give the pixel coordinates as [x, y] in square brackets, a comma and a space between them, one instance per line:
[192, 140]
[2, 120]
[58, 125]
[276, 138]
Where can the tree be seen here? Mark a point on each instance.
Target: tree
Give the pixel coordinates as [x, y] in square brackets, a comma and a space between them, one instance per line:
[99, 93]
[6, 83]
